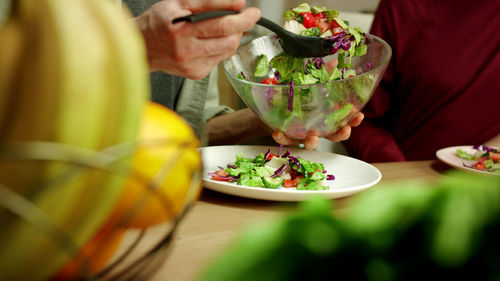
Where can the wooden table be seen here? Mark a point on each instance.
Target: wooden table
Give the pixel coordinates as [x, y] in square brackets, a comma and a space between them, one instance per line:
[216, 219]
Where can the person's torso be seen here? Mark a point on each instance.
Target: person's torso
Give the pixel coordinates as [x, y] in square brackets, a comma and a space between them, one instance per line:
[447, 74]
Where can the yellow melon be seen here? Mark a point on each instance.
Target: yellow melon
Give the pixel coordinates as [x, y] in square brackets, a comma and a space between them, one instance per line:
[166, 168]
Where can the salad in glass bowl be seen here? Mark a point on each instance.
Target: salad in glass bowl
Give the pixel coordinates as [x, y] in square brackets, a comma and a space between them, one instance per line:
[299, 95]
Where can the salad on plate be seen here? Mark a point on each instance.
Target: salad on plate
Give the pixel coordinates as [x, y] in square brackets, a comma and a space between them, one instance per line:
[269, 170]
[484, 159]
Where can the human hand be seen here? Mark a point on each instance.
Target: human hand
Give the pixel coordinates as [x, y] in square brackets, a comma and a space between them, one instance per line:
[312, 139]
[192, 50]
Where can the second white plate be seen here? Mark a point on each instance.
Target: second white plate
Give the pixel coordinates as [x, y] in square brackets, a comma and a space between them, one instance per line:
[351, 175]
[449, 156]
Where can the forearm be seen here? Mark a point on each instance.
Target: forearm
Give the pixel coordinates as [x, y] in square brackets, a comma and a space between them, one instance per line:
[235, 127]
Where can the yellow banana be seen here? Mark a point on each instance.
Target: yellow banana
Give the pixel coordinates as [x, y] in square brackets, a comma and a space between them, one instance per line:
[15, 59]
[128, 68]
[68, 80]
[61, 81]
[11, 56]
[27, 112]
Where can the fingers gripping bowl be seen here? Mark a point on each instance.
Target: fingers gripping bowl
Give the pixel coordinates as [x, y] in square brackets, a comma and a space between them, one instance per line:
[295, 110]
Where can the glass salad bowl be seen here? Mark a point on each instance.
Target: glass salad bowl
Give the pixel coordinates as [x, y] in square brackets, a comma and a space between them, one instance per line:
[295, 110]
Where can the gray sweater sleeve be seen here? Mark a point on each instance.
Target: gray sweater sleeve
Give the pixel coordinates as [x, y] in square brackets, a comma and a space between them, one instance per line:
[199, 102]
[165, 88]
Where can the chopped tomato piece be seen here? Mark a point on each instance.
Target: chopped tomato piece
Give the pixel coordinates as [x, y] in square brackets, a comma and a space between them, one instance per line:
[270, 156]
[495, 156]
[323, 25]
[293, 182]
[221, 173]
[308, 20]
[217, 178]
[334, 24]
[270, 81]
[297, 179]
[289, 183]
[479, 165]
[320, 15]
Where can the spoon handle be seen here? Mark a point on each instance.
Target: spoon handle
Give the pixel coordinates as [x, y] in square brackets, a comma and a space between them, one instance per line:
[293, 44]
[204, 16]
[276, 28]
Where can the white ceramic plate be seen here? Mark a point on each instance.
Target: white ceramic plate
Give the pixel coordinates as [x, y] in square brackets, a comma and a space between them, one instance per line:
[449, 156]
[351, 175]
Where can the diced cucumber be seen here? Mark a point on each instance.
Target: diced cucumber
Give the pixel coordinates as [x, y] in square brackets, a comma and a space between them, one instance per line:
[249, 180]
[270, 182]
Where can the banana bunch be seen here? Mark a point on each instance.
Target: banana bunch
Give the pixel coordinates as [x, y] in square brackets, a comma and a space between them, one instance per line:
[73, 83]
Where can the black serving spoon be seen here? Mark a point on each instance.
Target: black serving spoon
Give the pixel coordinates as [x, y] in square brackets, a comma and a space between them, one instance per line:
[293, 44]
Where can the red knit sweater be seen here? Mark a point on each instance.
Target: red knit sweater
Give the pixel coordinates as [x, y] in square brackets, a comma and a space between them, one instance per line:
[442, 87]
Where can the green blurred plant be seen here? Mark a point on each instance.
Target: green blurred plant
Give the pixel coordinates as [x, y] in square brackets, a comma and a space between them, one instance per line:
[404, 231]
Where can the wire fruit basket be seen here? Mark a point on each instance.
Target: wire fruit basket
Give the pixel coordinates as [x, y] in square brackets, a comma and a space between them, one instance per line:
[136, 255]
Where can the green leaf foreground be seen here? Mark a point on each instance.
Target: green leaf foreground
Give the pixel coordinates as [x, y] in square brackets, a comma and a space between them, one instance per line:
[405, 231]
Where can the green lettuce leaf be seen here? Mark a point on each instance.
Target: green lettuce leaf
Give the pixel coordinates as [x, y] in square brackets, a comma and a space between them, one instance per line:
[302, 8]
[286, 65]
[311, 32]
[262, 68]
